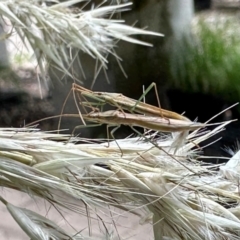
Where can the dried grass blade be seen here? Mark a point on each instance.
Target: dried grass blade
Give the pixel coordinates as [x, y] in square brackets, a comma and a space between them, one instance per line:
[34, 225]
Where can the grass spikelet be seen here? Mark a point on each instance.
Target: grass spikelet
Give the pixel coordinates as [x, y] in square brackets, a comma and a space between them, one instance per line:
[51, 32]
[35, 225]
[179, 203]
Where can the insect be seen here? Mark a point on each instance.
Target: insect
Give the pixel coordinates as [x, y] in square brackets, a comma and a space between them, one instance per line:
[116, 118]
[125, 103]
[133, 106]
[156, 118]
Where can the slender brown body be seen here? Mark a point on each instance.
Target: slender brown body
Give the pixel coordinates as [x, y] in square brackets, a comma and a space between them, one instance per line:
[122, 102]
[116, 117]
[129, 104]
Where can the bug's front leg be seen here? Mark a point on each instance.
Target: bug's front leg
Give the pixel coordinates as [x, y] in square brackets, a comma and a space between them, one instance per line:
[112, 135]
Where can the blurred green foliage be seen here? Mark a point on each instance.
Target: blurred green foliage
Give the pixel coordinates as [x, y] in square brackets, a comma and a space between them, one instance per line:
[210, 61]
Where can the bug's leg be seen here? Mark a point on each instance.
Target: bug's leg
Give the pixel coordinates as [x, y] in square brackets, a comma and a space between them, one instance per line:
[112, 135]
[82, 126]
[86, 93]
[152, 85]
[100, 102]
[144, 95]
[158, 101]
[63, 106]
[162, 149]
[75, 100]
[73, 89]
[80, 96]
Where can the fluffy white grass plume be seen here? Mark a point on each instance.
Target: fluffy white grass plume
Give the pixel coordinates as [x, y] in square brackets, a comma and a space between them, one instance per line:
[52, 32]
[36, 226]
[181, 197]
